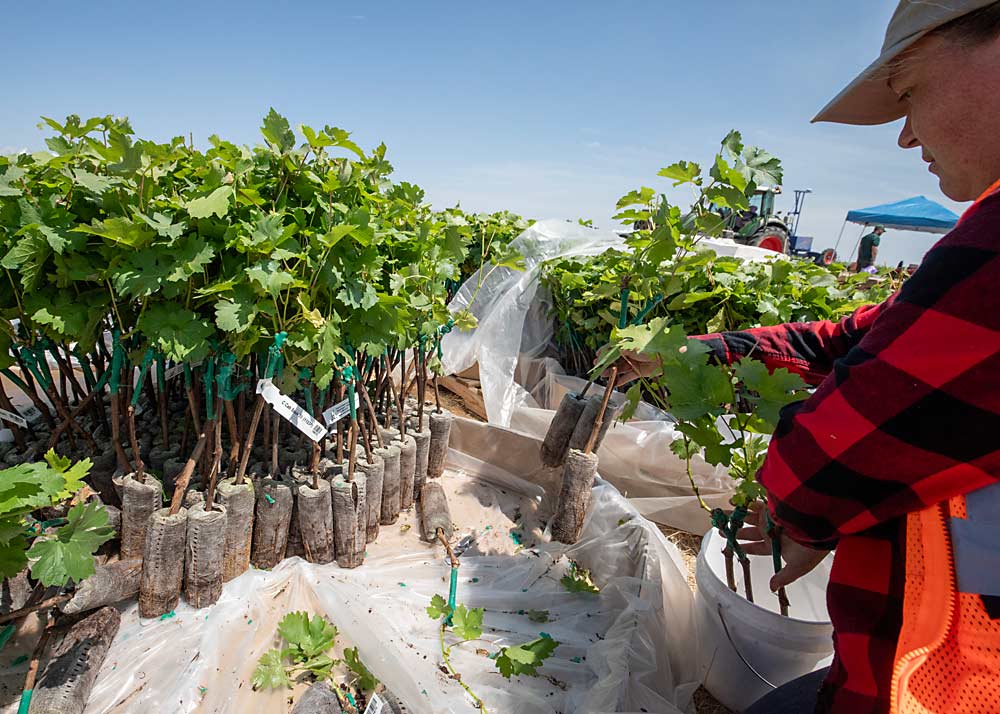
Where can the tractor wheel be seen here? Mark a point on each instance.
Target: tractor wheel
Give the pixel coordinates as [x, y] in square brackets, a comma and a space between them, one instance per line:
[771, 238]
[828, 257]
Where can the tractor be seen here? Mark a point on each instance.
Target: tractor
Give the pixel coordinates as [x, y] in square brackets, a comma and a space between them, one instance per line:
[763, 227]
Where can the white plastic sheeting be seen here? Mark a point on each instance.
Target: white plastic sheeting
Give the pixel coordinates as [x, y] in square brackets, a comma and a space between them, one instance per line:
[614, 656]
[521, 389]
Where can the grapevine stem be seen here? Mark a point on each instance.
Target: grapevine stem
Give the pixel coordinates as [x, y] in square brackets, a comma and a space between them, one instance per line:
[446, 656]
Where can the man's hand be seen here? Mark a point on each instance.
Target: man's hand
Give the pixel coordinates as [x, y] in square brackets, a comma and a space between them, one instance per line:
[799, 559]
[632, 365]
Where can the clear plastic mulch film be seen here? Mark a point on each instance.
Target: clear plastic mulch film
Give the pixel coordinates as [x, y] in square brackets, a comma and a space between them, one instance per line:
[613, 656]
[521, 388]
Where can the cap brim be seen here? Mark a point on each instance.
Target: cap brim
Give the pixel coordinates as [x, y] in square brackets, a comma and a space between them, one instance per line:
[868, 99]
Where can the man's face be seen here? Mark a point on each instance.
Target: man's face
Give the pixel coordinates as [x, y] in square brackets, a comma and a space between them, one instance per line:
[951, 93]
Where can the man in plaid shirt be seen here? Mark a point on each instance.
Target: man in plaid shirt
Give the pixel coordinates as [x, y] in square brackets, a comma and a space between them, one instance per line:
[906, 414]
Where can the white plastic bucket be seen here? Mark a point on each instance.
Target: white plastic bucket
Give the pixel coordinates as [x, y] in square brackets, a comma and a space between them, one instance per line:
[778, 648]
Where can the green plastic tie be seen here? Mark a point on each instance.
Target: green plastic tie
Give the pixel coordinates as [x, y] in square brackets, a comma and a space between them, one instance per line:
[161, 371]
[452, 593]
[25, 702]
[224, 380]
[209, 380]
[147, 359]
[117, 358]
[31, 362]
[623, 311]
[88, 371]
[17, 381]
[274, 354]
[775, 542]
[43, 363]
[647, 308]
[188, 378]
[5, 634]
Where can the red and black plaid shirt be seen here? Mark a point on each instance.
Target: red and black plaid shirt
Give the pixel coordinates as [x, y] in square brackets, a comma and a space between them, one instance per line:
[906, 414]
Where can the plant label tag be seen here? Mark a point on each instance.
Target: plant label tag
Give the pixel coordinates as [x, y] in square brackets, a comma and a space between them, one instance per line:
[290, 411]
[339, 410]
[14, 418]
[30, 412]
[376, 705]
[176, 370]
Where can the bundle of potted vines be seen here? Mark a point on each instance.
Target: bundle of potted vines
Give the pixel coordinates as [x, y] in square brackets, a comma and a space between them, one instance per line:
[723, 412]
[231, 332]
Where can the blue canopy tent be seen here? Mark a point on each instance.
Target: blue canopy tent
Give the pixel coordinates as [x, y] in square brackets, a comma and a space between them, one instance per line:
[912, 214]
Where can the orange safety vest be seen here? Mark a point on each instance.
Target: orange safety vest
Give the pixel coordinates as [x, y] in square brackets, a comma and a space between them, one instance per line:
[948, 656]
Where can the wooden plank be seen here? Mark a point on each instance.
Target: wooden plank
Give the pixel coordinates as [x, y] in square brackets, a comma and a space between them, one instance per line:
[472, 397]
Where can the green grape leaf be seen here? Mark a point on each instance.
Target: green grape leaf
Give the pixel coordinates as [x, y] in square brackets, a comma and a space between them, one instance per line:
[578, 580]
[176, 331]
[278, 132]
[639, 197]
[26, 487]
[365, 679]
[319, 666]
[164, 225]
[681, 173]
[270, 277]
[13, 554]
[632, 398]
[653, 338]
[696, 390]
[733, 143]
[704, 433]
[73, 474]
[69, 553]
[119, 231]
[237, 312]
[27, 256]
[313, 636]
[191, 256]
[772, 391]
[270, 672]
[760, 167]
[467, 624]
[525, 659]
[438, 608]
[214, 204]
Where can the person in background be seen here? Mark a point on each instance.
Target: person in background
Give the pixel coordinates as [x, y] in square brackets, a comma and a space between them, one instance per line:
[868, 248]
[894, 460]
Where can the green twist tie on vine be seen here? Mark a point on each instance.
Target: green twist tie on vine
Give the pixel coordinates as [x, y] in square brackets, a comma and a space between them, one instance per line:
[209, 379]
[42, 361]
[775, 542]
[6, 634]
[88, 371]
[25, 702]
[623, 311]
[188, 379]
[17, 381]
[647, 308]
[736, 521]
[161, 371]
[274, 354]
[452, 594]
[31, 362]
[147, 359]
[224, 380]
[117, 358]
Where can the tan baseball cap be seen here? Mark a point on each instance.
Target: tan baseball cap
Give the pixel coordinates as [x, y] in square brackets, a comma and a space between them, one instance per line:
[868, 99]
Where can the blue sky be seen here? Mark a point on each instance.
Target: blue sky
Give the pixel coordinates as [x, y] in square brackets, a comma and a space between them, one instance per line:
[549, 109]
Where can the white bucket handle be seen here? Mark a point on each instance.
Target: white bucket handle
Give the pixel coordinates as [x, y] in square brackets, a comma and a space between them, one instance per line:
[739, 654]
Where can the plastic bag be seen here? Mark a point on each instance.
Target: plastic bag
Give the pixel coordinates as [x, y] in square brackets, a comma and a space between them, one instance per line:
[618, 650]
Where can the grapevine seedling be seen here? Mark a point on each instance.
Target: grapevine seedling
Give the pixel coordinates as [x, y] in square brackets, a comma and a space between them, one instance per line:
[578, 580]
[307, 642]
